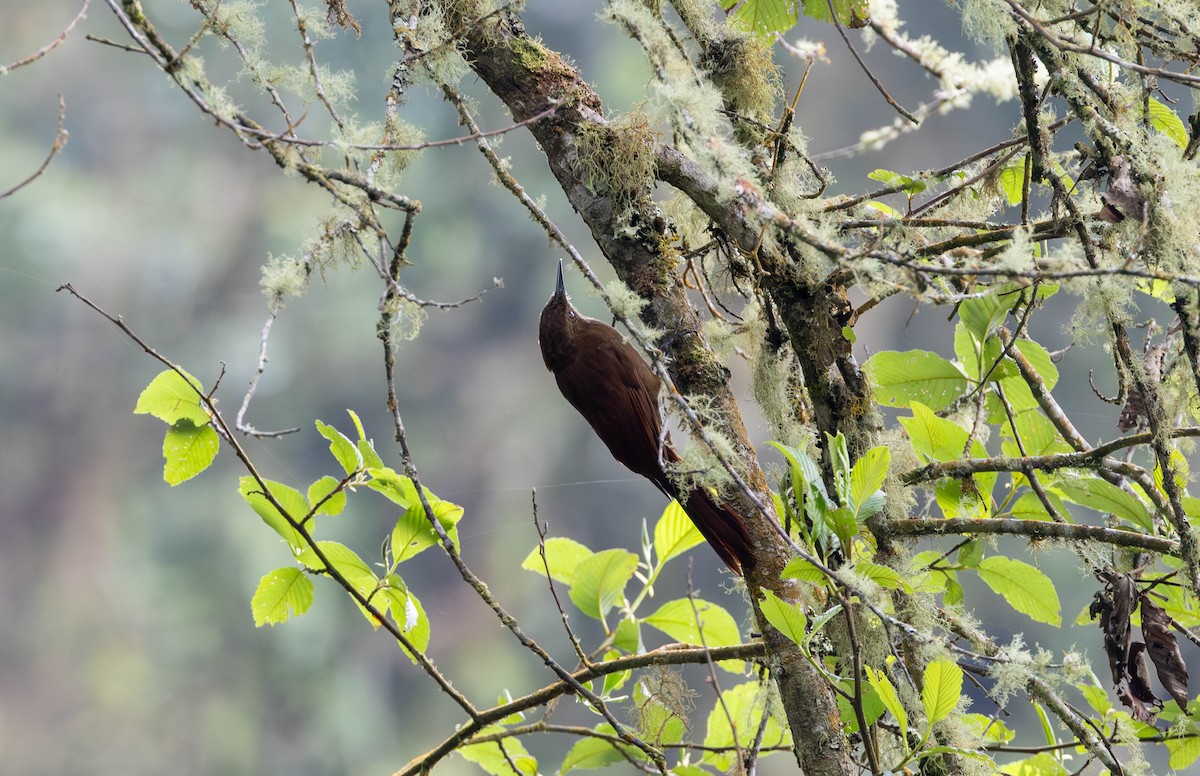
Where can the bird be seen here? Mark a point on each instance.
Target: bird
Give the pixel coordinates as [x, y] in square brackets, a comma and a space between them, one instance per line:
[605, 379]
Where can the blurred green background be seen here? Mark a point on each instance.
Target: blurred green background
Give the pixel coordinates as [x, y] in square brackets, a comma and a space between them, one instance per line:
[126, 641]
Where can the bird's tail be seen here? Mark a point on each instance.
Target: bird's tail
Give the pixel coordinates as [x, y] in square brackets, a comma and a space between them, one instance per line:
[722, 527]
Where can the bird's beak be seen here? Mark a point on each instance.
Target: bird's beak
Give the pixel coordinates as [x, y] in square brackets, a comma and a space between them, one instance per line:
[560, 289]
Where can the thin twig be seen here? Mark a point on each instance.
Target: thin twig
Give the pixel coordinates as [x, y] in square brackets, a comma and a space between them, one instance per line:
[44, 50]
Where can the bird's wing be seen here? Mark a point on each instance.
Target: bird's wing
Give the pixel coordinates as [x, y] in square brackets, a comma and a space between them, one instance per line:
[617, 392]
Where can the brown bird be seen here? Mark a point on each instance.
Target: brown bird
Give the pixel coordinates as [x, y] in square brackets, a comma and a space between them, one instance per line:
[605, 379]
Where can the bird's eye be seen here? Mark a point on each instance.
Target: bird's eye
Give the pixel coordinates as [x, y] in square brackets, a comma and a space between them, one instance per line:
[570, 313]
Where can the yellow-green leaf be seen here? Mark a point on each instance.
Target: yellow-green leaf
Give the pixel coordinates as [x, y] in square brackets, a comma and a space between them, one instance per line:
[1025, 587]
[188, 450]
[675, 533]
[281, 595]
[942, 688]
[172, 398]
[784, 617]
[563, 556]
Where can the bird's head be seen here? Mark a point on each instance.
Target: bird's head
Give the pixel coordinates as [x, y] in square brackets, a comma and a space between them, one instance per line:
[558, 327]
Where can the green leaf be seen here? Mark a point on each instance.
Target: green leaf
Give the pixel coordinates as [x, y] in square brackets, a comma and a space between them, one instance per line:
[866, 479]
[413, 534]
[883, 576]
[763, 17]
[1025, 587]
[410, 614]
[746, 703]
[1092, 492]
[1041, 764]
[942, 688]
[592, 752]
[354, 570]
[396, 487]
[1179, 466]
[799, 568]
[1012, 180]
[784, 617]
[915, 376]
[1168, 122]
[1030, 507]
[872, 707]
[327, 486]
[281, 595]
[188, 450]
[491, 757]
[292, 501]
[983, 315]
[678, 620]
[657, 721]
[343, 450]
[1039, 359]
[171, 398]
[675, 533]
[1184, 751]
[934, 437]
[849, 12]
[887, 695]
[600, 581]
[563, 556]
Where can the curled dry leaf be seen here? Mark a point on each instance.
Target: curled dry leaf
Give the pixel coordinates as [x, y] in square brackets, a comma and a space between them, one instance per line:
[1164, 651]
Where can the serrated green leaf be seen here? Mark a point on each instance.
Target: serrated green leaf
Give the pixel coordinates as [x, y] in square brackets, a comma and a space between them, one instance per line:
[1012, 180]
[413, 534]
[915, 376]
[343, 450]
[1183, 751]
[745, 704]
[1168, 122]
[563, 556]
[1030, 507]
[354, 570]
[1039, 359]
[1092, 492]
[600, 581]
[327, 486]
[784, 617]
[867, 477]
[281, 595]
[188, 450]
[849, 12]
[762, 17]
[592, 753]
[887, 695]
[872, 707]
[395, 486]
[494, 757]
[883, 576]
[628, 636]
[171, 398]
[715, 628]
[937, 438]
[942, 687]
[1025, 587]
[970, 553]
[675, 533]
[292, 501]
[799, 568]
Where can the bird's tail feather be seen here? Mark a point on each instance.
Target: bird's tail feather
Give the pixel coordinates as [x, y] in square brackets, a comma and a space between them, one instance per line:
[723, 528]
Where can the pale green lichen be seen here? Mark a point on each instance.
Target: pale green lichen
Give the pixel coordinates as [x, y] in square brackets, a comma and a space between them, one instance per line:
[616, 160]
[284, 277]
